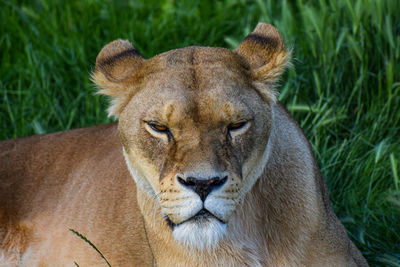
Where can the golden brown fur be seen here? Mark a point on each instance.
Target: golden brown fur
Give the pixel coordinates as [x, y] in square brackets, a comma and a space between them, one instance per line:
[223, 174]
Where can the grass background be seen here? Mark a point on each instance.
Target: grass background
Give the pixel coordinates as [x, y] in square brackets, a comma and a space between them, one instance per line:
[344, 88]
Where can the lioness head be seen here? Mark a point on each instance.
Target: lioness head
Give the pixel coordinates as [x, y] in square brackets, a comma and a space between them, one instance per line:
[194, 125]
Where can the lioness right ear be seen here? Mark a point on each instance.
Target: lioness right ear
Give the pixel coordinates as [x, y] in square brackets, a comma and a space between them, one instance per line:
[116, 65]
[265, 52]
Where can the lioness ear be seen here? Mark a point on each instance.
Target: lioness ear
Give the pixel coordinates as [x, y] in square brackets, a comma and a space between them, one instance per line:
[265, 52]
[116, 65]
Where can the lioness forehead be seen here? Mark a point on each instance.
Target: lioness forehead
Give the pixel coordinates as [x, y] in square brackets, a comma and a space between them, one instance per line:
[197, 56]
[197, 82]
[196, 67]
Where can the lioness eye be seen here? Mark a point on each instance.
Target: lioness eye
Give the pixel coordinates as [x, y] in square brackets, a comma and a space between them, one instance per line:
[236, 125]
[158, 127]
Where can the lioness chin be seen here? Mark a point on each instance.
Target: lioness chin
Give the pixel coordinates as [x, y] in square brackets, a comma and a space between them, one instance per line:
[222, 174]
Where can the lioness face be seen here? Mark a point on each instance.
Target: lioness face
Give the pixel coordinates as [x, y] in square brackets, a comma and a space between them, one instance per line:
[193, 135]
[194, 125]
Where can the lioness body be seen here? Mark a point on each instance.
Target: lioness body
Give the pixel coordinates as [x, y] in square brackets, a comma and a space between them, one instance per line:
[91, 193]
[224, 176]
[96, 196]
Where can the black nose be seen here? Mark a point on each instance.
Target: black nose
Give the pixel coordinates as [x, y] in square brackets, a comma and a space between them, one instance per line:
[202, 187]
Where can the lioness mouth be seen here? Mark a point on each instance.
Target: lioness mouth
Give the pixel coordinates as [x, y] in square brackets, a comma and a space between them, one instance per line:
[201, 217]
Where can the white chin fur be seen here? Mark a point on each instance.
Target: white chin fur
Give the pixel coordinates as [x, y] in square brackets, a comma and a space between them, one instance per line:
[200, 235]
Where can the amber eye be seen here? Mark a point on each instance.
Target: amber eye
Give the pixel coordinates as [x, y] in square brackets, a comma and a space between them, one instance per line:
[158, 127]
[236, 125]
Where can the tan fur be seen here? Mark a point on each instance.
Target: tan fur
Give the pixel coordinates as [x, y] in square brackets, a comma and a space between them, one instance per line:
[274, 204]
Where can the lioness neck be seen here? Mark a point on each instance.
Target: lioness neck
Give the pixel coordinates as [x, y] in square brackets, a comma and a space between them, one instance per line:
[262, 230]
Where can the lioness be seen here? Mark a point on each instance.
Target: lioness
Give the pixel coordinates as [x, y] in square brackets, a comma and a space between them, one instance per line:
[223, 174]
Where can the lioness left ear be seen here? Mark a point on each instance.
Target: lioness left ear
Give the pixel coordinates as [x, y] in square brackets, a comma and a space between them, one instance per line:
[265, 52]
[116, 66]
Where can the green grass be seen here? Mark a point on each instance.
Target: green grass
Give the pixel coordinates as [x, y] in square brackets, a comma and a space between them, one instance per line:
[344, 88]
